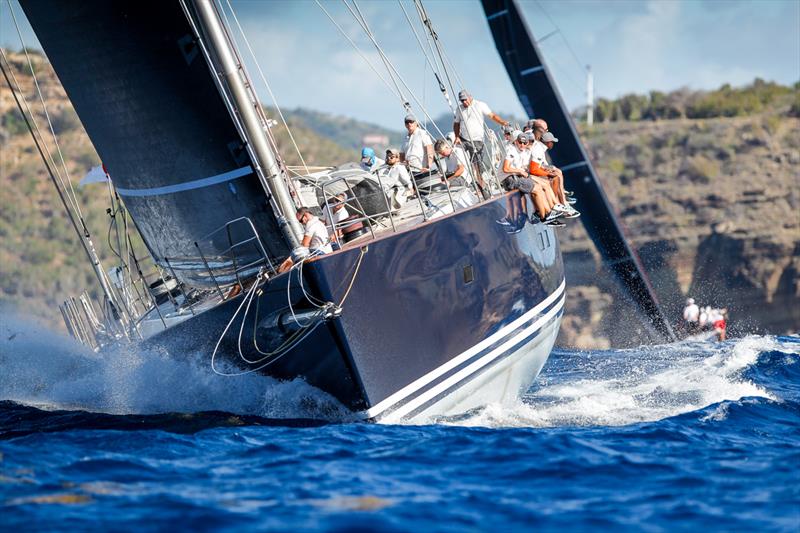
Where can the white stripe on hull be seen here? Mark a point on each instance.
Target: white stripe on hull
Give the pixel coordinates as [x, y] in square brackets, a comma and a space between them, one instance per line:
[515, 344]
[500, 335]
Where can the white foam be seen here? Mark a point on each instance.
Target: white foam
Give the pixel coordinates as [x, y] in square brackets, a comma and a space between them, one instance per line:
[51, 371]
[632, 386]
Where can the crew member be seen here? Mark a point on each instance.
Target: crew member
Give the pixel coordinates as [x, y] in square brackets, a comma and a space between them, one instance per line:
[691, 316]
[418, 150]
[456, 165]
[369, 161]
[469, 127]
[315, 236]
[395, 179]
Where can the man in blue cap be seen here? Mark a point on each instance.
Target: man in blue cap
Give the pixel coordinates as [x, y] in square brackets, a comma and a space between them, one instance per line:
[369, 161]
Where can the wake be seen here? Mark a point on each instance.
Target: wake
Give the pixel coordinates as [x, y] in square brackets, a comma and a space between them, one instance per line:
[621, 387]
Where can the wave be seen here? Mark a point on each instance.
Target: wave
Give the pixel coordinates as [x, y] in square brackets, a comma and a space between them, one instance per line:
[50, 371]
[646, 384]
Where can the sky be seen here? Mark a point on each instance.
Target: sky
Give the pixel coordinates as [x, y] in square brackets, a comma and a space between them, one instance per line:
[632, 46]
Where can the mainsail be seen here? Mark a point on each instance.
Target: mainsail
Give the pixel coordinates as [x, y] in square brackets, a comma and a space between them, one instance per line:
[539, 97]
[146, 95]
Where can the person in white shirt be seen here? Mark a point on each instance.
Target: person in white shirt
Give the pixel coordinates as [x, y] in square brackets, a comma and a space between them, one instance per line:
[456, 167]
[315, 236]
[334, 213]
[691, 315]
[514, 175]
[469, 126]
[395, 179]
[369, 161]
[507, 131]
[540, 166]
[417, 152]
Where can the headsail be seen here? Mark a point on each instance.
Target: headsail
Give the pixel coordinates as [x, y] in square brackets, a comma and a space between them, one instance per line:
[539, 97]
[143, 90]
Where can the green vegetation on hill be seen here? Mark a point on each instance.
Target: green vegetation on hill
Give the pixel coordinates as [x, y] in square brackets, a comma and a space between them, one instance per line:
[726, 101]
[346, 132]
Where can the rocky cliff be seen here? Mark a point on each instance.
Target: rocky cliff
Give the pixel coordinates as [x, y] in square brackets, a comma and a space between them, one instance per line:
[713, 209]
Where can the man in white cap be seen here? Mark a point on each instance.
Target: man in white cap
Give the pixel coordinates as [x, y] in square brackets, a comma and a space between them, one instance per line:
[469, 126]
[418, 149]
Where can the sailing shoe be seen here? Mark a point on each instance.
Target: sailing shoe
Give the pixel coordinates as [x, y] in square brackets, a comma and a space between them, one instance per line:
[571, 212]
[560, 208]
[553, 215]
[571, 200]
[555, 224]
[569, 193]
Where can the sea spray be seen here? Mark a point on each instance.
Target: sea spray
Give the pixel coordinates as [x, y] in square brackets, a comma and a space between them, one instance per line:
[51, 371]
[621, 387]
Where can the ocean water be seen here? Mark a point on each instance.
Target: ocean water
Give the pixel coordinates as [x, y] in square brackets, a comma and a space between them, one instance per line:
[686, 436]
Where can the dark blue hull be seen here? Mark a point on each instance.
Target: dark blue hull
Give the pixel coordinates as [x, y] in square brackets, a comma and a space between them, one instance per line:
[443, 306]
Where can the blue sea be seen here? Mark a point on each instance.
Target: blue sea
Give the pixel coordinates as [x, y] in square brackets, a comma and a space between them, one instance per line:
[688, 436]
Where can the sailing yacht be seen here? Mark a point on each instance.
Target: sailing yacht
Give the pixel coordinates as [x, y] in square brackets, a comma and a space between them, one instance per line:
[430, 310]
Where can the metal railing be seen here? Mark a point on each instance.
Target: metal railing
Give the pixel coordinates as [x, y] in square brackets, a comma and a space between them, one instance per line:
[239, 270]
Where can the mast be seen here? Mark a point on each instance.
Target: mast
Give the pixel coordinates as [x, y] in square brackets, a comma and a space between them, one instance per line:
[538, 95]
[266, 162]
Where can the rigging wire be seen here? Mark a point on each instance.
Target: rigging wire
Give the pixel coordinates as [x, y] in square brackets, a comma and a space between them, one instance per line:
[386, 63]
[264, 80]
[580, 64]
[71, 191]
[392, 67]
[358, 50]
[433, 64]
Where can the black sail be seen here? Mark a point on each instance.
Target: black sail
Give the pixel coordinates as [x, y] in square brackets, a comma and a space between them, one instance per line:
[147, 97]
[539, 97]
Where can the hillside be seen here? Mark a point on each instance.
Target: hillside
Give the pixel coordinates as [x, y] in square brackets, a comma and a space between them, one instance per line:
[711, 205]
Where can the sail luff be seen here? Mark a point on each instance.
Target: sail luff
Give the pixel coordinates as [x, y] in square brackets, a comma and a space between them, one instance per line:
[537, 93]
[266, 162]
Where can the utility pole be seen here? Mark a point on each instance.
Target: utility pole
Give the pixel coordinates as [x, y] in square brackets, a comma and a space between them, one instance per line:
[589, 96]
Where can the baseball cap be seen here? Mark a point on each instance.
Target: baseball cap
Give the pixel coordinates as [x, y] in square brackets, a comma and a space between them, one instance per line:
[548, 137]
[410, 118]
[463, 94]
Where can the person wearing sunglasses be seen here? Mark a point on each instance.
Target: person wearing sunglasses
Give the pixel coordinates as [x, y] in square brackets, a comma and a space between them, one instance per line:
[395, 179]
[469, 126]
[417, 152]
[513, 173]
